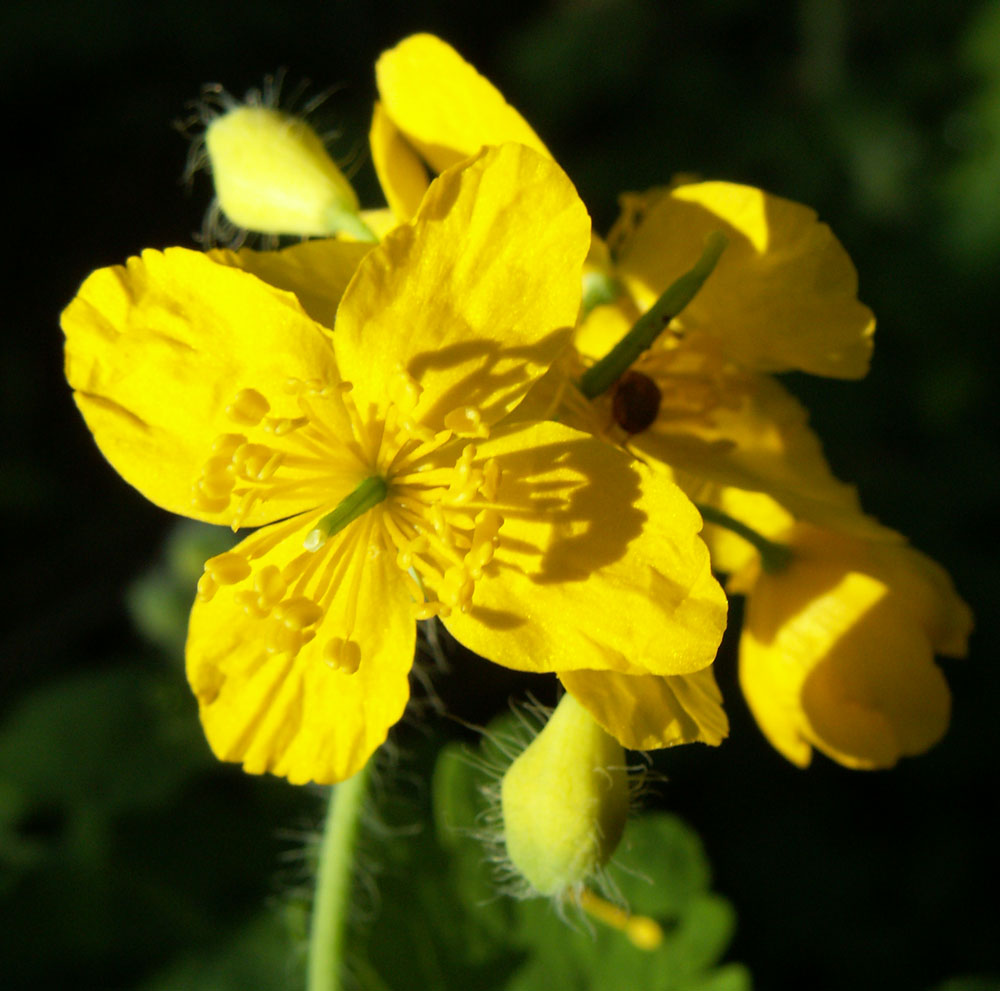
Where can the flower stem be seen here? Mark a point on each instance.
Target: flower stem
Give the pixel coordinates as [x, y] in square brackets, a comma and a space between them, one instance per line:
[600, 377]
[328, 930]
[773, 556]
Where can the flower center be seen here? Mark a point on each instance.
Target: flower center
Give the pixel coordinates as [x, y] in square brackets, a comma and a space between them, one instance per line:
[380, 483]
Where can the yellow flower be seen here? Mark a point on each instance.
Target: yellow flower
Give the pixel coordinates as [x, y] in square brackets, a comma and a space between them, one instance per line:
[783, 296]
[213, 384]
[837, 650]
[434, 108]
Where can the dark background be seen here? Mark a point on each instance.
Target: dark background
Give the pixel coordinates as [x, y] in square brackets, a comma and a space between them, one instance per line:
[122, 845]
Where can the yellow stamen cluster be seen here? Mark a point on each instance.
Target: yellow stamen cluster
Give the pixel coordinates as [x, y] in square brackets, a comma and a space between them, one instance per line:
[438, 516]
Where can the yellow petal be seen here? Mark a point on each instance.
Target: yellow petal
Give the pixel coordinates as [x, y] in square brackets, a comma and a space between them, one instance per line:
[646, 712]
[317, 271]
[297, 714]
[929, 593]
[379, 221]
[758, 439]
[401, 174]
[731, 554]
[599, 564]
[837, 650]
[473, 300]
[443, 106]
[157, 350]
[784, 294]
[877, 696]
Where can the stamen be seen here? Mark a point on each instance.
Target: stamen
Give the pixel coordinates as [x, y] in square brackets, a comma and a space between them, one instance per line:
[467, 421]
[406, 390]
[342, 655]
[228, 568]
[248, 407]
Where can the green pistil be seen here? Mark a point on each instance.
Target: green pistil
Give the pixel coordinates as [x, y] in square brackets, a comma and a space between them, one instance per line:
[368, 494]
[773, 557]
[600, 377]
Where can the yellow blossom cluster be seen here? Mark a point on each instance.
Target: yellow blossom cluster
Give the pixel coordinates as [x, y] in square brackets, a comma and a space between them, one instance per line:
[395, 407]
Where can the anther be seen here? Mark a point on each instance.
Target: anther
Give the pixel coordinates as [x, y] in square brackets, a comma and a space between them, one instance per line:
[407, 391]
[279, 426]
[248, 408]
[467, 421]
[491, 480]
[228, 568]
[256, 462]
[269, 585]
[298, 613]
[342, 655]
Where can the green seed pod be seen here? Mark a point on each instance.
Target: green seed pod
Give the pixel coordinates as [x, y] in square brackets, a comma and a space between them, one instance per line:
[565, 800]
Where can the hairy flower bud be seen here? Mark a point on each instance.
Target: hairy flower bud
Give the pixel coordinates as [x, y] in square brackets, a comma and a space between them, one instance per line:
[565, 800]
[273, 174]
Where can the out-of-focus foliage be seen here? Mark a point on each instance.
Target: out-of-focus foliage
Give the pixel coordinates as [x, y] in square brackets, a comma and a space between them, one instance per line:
[440, 923]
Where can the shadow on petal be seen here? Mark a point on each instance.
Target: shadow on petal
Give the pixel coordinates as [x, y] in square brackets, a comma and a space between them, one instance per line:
[576, 502]
[484, 374]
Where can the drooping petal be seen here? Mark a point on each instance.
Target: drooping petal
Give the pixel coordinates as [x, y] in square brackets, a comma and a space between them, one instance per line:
[837, 650]
[316, 271]
[158, 350]
[782, 297]
[278, 704]
[469, 305]
[646, 712]
[443, 106]
[599, 565]
[878, 695]
[401, 174]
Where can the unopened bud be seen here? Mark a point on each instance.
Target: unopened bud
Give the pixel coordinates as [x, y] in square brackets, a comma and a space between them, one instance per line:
[565, 800]
[273, 174]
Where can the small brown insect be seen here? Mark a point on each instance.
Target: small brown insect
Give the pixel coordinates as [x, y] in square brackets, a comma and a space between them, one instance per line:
[635, 402]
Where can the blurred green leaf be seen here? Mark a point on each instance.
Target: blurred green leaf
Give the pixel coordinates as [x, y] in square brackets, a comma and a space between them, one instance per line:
[256, 957]
[119, 739]
[160, 600]
[970, 983]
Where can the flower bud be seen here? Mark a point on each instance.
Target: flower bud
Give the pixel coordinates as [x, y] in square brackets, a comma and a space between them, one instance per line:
[565, 800]
[273, 174]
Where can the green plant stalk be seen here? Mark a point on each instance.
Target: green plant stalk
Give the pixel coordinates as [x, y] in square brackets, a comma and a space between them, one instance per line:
[601, 376]
[773, 556]
[335, 872]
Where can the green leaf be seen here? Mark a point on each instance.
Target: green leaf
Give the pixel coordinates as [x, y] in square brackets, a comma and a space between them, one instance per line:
[160, 600]
[258, 956]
